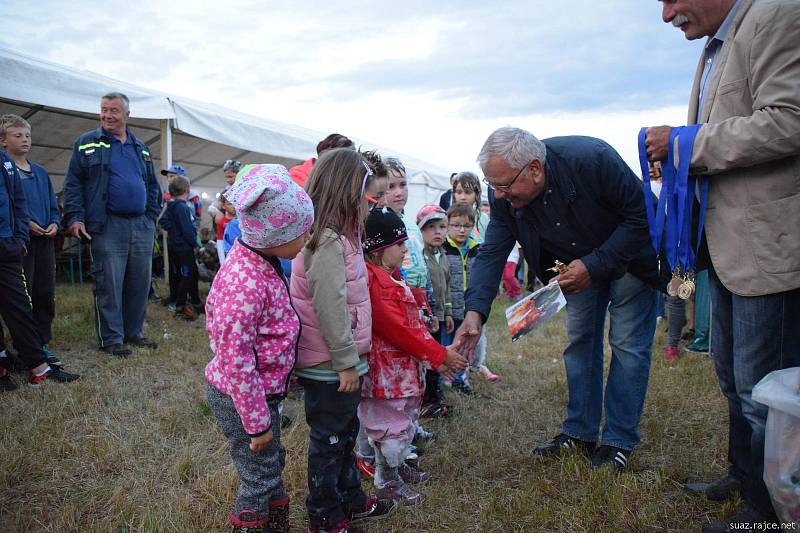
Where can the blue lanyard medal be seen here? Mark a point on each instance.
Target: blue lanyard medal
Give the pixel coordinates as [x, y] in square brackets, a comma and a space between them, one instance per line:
[671, 218]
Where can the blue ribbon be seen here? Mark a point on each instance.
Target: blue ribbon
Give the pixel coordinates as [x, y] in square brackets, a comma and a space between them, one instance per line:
[672, 216]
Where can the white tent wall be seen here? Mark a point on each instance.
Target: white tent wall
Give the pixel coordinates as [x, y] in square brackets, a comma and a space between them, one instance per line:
[61, 103]
[420, 193]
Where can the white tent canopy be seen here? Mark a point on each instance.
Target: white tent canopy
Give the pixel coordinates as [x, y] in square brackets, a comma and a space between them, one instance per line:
[61, 103]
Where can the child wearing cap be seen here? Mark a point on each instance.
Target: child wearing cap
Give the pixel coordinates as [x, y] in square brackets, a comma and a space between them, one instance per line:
[401, 344]
[432, 223]
[194, 198]
[180, 223]
[253, 331]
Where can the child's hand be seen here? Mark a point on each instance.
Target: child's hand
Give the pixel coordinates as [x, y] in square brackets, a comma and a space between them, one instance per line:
[348, 380]
[260, 443]
[433, 327]
[449, 324]
[455, 361]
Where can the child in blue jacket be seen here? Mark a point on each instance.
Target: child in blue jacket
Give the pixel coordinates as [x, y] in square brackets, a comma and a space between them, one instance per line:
[180, 224]
[45, 220]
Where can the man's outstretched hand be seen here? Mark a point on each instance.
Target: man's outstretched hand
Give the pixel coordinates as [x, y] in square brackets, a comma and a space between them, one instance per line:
[468, 334]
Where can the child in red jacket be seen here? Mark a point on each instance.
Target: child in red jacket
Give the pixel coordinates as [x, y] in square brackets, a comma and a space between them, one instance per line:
[401, 345]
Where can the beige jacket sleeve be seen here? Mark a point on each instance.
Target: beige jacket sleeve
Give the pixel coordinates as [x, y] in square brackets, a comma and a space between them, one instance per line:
[326, 281]
[761, 108]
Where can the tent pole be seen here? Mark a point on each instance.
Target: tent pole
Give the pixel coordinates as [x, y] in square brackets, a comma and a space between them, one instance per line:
[166, 162]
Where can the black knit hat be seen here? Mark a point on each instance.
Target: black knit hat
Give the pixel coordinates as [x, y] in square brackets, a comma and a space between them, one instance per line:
[384, 228]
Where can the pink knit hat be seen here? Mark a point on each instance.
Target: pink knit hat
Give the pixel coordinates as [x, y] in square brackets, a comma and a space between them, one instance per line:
[272, 209]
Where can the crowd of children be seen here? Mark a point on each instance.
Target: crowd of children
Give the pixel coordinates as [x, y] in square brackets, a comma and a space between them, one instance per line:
[332, 285]
[362, 324]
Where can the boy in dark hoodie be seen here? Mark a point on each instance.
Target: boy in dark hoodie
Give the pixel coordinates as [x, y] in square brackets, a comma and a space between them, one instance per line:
[180, 224]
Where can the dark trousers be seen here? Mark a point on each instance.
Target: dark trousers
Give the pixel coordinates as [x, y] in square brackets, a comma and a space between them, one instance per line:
[174, 278]
[187, 278]
[40, 273]
[15, 308]
[750, 337]
[334, 486]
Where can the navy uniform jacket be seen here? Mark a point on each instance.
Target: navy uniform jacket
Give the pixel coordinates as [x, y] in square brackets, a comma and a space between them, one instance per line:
[14, 234]
[599, 204]
[86, 182]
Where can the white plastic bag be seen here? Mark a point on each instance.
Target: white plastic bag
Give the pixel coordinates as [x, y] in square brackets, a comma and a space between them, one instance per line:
[780, 391]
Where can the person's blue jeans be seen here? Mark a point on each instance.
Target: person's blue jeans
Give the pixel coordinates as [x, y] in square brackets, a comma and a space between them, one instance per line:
[750, 337]
[631, 305]
[122, 259]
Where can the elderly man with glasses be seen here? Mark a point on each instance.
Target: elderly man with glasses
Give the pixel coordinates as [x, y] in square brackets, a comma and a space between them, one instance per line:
[574, 200]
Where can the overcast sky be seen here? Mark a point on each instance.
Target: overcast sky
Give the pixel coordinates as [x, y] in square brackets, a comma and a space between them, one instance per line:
[430, 79]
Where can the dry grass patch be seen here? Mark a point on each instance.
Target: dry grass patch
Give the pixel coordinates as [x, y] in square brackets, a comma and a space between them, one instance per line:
[132, 446]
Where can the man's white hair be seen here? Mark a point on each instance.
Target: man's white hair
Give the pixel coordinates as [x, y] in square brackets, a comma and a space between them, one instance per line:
[516, 146]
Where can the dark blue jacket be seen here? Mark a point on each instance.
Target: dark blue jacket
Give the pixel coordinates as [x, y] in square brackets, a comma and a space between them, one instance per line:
[86, 182]
[605, 206]
[14, 219]
[40, 197]
[179, 222]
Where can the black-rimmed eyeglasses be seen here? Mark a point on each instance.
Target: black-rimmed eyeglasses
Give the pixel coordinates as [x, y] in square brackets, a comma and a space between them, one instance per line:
[507, 186]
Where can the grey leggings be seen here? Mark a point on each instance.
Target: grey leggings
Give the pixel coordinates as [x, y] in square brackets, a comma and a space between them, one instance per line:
[259, 473]
[676, 319]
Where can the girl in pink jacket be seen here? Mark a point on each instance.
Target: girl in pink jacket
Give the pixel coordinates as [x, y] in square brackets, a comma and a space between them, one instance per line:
[253, 330]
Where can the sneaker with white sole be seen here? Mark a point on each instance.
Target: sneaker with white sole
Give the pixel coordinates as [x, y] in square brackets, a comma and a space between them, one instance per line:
[53, 373]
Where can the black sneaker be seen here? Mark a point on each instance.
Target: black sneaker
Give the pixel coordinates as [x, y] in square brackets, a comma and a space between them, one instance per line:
[142, 342]
[6, 382]
[117, 350]
[563, 443]
[374, 509]
[612, 456]
[54, 373]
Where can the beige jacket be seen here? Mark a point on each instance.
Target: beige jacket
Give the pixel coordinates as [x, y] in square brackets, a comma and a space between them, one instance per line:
[750, 150]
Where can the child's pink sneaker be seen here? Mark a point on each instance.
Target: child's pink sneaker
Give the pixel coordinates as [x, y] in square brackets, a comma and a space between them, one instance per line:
[486, 373]
[671, 354]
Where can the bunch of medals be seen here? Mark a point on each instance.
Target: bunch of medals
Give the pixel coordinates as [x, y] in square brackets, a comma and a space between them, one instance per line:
[682, 284]
[677, 197]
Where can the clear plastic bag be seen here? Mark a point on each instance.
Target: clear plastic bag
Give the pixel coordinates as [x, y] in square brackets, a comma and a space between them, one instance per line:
[780, 391]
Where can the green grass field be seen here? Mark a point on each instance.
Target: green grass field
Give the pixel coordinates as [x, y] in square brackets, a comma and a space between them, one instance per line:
[133, 446]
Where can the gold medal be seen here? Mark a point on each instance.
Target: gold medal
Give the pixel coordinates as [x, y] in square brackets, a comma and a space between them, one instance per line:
[674, 285]
[686, 290]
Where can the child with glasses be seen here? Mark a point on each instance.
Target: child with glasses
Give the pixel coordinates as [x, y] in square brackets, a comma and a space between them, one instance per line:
[461, 250]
